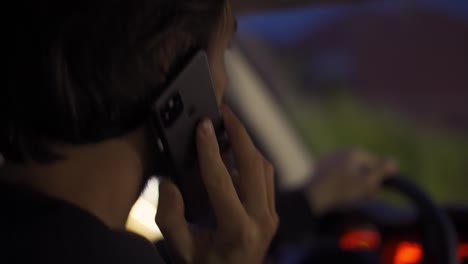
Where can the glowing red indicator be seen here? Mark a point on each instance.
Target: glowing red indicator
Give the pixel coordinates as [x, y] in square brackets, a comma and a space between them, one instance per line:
[463, 251]
[360, 240]
[408, 253]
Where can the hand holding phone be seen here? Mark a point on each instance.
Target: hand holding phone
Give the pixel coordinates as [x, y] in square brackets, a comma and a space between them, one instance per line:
[188, 99]
[244, 228]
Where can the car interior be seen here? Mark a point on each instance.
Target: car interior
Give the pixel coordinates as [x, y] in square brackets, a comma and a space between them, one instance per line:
[387, 75]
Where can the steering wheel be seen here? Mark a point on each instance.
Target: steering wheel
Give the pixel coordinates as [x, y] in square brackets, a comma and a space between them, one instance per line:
[439, 240]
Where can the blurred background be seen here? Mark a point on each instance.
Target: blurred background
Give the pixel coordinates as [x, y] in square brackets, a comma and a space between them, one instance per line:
[390, 76]
[387, 76]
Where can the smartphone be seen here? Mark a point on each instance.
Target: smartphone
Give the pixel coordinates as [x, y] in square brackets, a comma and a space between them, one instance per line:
[188, 99]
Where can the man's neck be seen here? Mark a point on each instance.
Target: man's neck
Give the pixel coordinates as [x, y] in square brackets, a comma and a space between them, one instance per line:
[102, 179]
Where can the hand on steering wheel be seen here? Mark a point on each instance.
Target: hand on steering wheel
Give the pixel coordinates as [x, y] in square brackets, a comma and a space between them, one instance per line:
[345, 177]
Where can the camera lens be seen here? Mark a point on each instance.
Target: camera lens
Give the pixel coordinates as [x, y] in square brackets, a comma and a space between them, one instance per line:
[172, 110]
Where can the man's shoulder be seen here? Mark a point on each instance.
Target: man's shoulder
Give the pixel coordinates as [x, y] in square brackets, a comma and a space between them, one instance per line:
[79, 247]
[40, 230]
[113, 247]
[75, 242]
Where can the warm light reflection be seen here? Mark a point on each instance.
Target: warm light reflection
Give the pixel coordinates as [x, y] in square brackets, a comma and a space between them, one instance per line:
[463, 251]
[141, 218]
[408, 253]
[360, 240]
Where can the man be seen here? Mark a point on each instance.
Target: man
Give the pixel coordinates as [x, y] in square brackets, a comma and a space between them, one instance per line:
[77, 152]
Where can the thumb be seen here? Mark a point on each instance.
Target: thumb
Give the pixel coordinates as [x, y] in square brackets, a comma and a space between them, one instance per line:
[170, 220]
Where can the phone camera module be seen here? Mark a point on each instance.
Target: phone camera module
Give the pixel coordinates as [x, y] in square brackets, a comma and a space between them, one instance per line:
[172, 110]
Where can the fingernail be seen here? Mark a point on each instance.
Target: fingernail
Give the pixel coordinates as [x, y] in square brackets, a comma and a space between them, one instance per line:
[207, 128]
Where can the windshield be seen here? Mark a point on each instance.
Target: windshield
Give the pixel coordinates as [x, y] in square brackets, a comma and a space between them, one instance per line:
[388, 76]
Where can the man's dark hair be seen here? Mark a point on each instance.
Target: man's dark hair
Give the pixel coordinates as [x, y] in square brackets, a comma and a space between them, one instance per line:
[83, 71]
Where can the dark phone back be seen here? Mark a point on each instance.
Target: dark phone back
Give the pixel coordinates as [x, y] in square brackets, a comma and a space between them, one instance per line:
[188, 100]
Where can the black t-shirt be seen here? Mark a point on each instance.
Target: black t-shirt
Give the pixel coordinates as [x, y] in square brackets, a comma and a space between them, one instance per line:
[37, 229]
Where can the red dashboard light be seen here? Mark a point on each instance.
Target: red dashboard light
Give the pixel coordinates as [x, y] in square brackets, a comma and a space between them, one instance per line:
[360, 240]
[411, 252]
[408, 253]
[397, 252]
[463, 251]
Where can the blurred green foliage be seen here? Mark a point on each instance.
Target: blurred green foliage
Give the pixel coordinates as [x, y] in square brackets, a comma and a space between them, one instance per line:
[436, 159]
